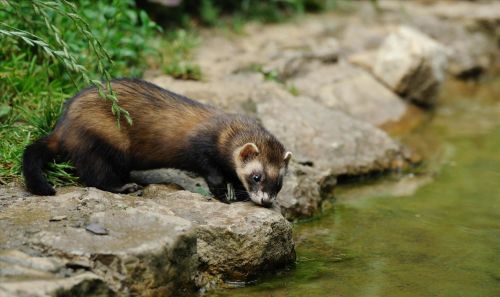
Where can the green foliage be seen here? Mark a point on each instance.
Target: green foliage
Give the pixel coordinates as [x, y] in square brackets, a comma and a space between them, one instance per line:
[177, 49]
[209, 12]
[49, 52]
[233, 13]
[293, 89]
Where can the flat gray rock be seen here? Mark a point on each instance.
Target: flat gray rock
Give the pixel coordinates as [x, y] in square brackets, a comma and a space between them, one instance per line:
[352, 90]
[234, 93]
[126, 259]
[331, 141]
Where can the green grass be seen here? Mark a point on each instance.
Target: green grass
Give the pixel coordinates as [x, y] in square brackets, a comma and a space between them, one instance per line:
[49, 52]
[177, 57]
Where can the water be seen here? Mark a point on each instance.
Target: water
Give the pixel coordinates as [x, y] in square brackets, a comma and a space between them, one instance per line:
[436, 233]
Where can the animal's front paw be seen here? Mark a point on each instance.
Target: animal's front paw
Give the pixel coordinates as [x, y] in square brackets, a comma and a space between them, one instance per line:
[131, 188]
[242, 196]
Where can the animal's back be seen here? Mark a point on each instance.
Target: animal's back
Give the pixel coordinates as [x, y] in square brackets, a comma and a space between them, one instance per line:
[162, 121]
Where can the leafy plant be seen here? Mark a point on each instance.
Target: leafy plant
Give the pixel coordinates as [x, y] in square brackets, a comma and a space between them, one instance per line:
[230, 12]
[177, 50]
[49, 52]
[61, 53]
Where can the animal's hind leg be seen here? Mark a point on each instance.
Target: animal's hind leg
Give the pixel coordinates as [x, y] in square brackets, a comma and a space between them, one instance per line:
[97, 171]
[104, 167]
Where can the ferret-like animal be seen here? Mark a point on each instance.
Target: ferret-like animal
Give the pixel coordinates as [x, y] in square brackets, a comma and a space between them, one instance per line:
[168, 131]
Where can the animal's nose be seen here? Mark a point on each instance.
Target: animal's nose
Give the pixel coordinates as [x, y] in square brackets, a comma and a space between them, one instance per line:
[267, 201]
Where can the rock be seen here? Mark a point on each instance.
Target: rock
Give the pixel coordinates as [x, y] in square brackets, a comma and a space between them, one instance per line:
[356, 36]
[412, 65]
[220, 56]
[16, 263]
[330, 141]
[471, 52]
[145, 252]
[325, 50]
[164, 243]
[301, 195]
[471, 55]
[290, 62]
[97, 229]
[24, 275]
[235, 241]
[470, 30]
[80, 284]
[234, 93]
[57, 218]
[181, 179]
[363, 59]
[352, 90]
[9, 194]
[485, 13]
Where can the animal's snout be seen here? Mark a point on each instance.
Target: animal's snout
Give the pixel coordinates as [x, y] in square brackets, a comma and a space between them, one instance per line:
[267, 201]
[262, 198]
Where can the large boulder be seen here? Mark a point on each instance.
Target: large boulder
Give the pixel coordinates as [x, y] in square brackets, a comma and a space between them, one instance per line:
[134, 250]
[412, 65]
[471, 51]
[352, 90]
[328, 140]
[302, 194]
[469, 30]
[234, 93]
[166, 243]
[235, 242]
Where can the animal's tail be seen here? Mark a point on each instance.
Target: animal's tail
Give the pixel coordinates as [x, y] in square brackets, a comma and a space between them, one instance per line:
[35, 157]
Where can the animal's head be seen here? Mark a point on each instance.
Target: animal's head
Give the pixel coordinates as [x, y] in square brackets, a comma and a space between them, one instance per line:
[261, 169]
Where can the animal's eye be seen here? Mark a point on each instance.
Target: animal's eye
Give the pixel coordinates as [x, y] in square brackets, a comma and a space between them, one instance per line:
[257, 177]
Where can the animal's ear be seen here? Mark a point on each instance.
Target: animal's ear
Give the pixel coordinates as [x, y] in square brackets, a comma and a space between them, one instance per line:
[288, 156]
[248, 151]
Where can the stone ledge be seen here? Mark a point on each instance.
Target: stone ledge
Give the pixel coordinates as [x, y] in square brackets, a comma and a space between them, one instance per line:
[165, 243]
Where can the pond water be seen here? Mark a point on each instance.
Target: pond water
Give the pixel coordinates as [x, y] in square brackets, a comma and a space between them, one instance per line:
[435, 233]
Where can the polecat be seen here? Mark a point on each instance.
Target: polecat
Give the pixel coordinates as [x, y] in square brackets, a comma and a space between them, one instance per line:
[168, 131]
